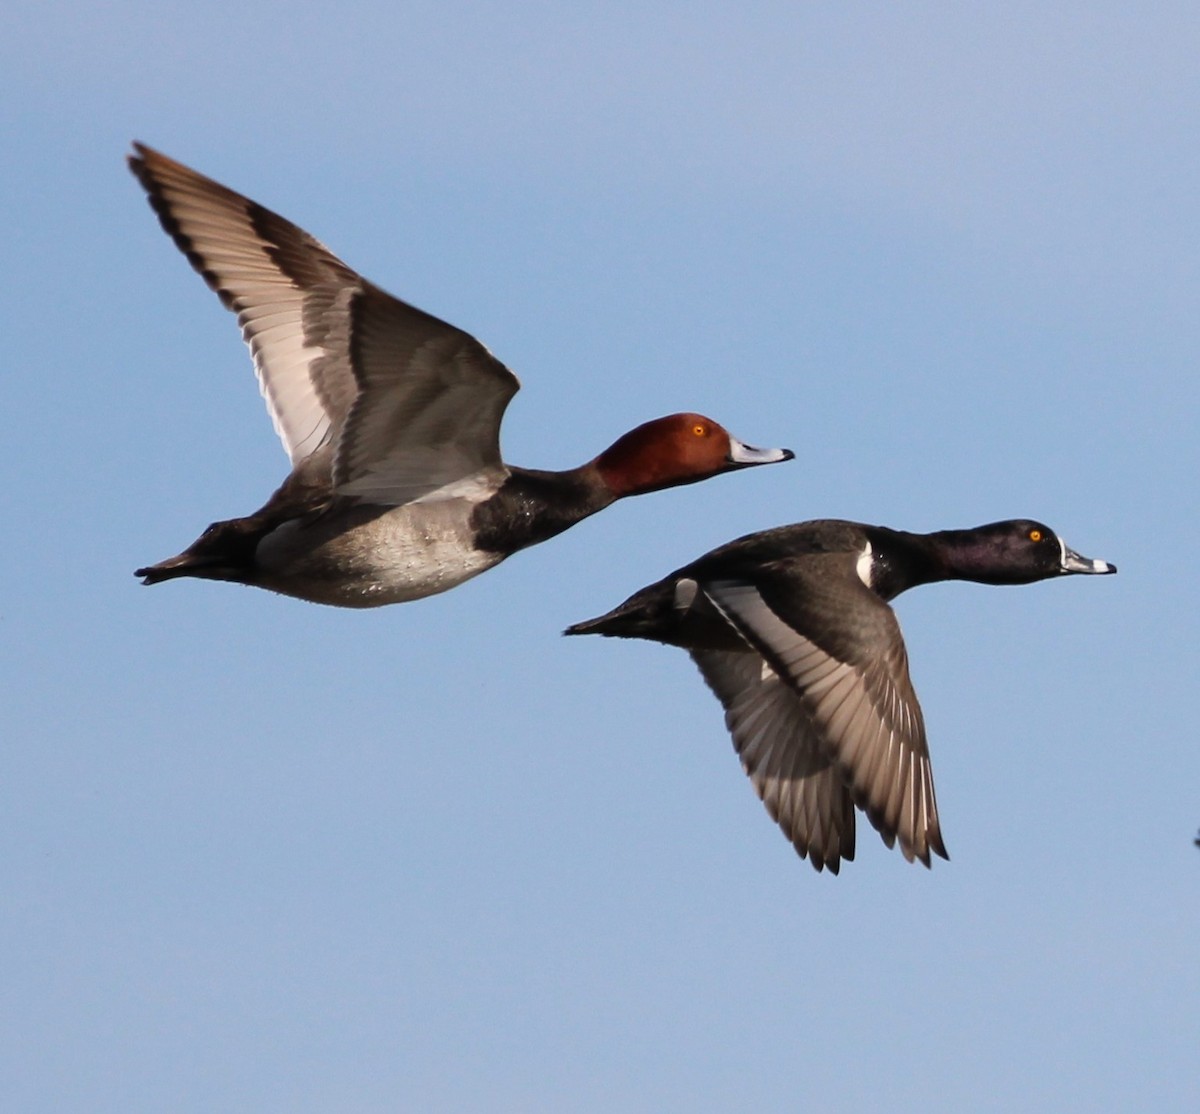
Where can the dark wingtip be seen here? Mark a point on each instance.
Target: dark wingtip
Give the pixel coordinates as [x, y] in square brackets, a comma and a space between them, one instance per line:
[834, 866]
[935, 847]
[137, 160]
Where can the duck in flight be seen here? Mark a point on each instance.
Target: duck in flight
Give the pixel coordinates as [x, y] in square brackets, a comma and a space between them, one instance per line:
[391, 419]
[792, 630]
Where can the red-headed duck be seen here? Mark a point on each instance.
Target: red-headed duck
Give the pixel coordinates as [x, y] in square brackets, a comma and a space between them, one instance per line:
[793, 633]
[391, 419]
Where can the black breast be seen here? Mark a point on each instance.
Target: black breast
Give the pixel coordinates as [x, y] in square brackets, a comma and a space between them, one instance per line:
[532, 506]
[901, 561]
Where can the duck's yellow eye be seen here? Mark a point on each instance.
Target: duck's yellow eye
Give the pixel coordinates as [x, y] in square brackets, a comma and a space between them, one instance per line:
[1035, 535]
[699, 429]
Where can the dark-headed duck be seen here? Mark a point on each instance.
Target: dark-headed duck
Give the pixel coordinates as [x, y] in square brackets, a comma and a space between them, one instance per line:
[391, 419]
[791, 629]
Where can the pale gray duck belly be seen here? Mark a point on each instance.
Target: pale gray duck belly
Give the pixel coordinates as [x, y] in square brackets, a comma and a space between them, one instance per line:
[369, 556]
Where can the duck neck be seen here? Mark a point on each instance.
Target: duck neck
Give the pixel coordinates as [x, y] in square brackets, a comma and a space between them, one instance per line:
[901, 560]
[971, 555]
[533, 505]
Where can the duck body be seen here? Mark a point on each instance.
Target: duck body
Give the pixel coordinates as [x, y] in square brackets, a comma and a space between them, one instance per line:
[792, 630]
[369, 556]
[347, 553]
[391, 418]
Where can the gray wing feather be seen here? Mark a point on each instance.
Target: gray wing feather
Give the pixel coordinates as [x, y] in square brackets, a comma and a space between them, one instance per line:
[277, 279]
[430, 402]
[781, 753]
[411, 403]
[865, 713]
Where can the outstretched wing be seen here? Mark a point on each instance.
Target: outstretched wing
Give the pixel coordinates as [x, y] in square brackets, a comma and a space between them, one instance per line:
[781, 752]
[861, 703]
[410, 403]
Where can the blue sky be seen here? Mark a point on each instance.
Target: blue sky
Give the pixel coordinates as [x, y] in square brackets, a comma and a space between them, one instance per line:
[264, 856]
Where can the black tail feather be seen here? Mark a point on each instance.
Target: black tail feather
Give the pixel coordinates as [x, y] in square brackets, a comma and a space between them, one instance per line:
[225, 551]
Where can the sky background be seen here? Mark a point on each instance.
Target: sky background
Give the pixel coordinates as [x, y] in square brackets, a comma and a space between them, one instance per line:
[258, 855]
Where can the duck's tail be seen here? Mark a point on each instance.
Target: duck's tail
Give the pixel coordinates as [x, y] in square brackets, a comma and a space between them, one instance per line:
[225, 551]
[675, 610]
[614, 625]
[651, 613]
